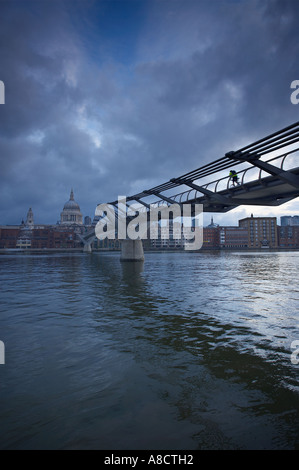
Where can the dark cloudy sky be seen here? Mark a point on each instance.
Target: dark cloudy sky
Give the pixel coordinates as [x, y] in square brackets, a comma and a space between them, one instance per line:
[113, 97]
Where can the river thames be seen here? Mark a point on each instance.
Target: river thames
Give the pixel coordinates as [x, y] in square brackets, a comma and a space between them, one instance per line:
[186, 351]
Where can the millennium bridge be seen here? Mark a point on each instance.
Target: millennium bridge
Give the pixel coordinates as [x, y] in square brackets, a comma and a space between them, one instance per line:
[266, 174]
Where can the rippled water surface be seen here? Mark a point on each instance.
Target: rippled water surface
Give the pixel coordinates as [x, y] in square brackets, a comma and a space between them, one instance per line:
[188, 351]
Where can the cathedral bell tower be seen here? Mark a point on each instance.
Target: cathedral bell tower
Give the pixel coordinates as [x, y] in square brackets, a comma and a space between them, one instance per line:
[29, 219]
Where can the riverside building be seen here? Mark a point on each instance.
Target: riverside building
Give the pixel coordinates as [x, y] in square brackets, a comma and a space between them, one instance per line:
[288, 236]
[261, 231]
[29, 235]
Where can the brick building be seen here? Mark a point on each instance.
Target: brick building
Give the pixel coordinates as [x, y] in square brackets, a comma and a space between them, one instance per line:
[9, 235]
[262, 231]
[211, 237]
[288, 236]
[233, 237]
[46, 236]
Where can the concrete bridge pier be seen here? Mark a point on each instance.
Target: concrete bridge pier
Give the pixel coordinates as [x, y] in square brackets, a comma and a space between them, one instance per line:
[87, 248]
[132, 250]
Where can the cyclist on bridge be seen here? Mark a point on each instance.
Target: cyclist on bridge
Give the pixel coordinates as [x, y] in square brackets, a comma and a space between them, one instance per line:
[234, 177]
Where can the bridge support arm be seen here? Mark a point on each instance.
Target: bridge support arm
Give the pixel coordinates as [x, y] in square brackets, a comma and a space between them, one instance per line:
[143, 203]
[283, 175]
[209, 194]
[165, 198]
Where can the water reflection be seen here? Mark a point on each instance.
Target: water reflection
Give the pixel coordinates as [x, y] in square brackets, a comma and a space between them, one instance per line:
[174, 343]
[182, 351]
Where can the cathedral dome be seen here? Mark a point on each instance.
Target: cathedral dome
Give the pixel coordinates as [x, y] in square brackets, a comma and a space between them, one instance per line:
[71, 204]
[71, 212]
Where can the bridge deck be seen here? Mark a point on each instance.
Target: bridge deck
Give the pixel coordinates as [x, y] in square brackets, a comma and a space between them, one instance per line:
[267, 191]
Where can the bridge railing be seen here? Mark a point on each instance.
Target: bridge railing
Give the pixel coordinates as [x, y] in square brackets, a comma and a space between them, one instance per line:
[260, 172]
[245, 175]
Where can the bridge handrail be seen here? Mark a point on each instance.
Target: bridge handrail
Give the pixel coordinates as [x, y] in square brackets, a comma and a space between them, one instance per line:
[243, 172]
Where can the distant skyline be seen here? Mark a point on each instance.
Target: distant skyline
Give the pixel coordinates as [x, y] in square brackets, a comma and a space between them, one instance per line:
[207, 218]
[113, 97]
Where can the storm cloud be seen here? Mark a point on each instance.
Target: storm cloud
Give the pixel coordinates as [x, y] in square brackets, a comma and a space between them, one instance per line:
[112, 97]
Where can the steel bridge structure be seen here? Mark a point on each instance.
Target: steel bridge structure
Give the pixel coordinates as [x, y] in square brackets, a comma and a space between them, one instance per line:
[267, 171]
